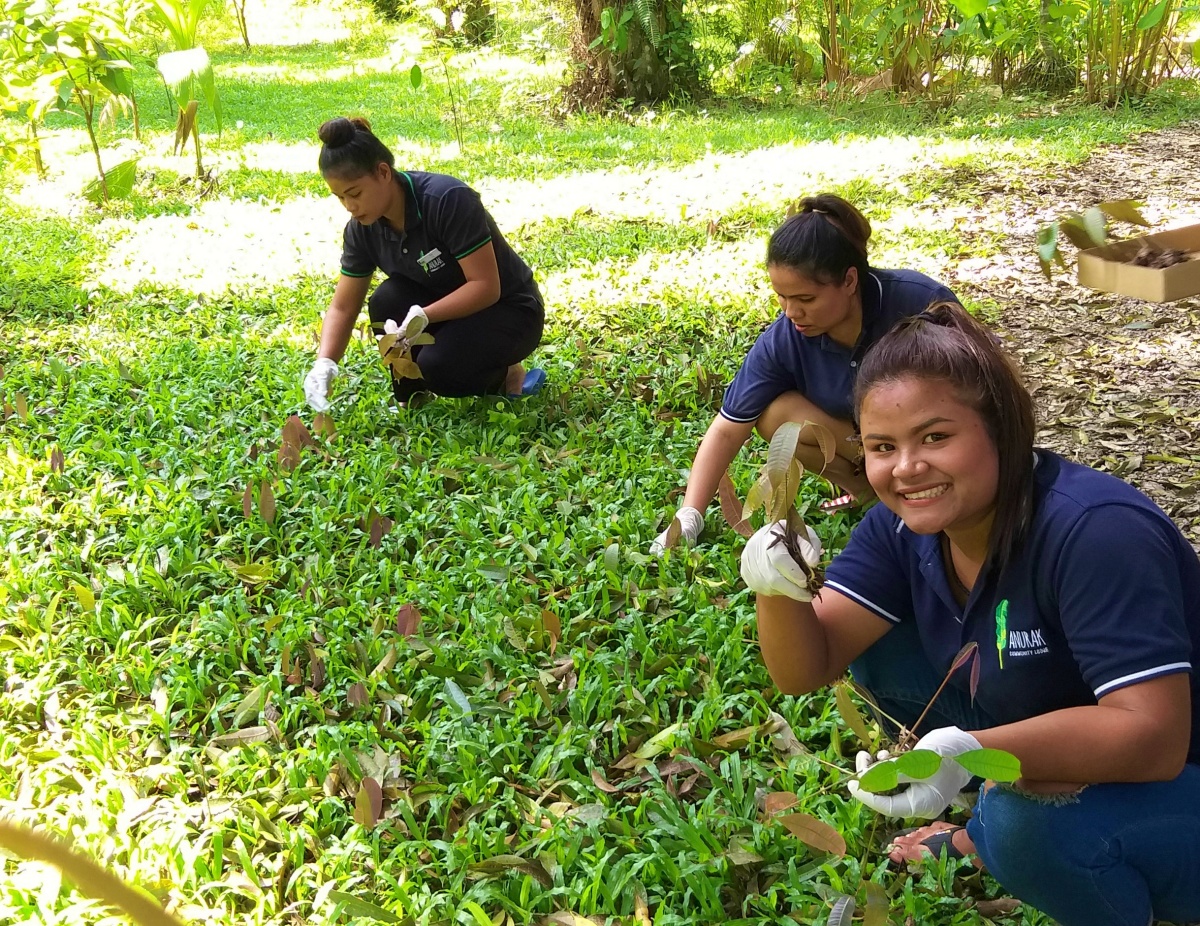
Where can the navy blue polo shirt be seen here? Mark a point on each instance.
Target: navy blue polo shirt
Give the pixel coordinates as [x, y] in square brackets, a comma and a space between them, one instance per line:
[444, 222]
[823, 371]
[1103, 593]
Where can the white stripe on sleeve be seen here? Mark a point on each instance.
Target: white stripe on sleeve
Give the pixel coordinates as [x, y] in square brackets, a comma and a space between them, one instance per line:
[850, 593]
[1124, 680]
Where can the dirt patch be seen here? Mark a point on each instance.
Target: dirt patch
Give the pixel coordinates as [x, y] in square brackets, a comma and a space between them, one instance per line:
[1117, 380]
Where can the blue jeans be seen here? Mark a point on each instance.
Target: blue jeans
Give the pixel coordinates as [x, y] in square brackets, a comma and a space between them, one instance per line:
[1119, 854]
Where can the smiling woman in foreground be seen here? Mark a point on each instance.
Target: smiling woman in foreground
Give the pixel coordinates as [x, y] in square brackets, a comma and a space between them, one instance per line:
[1083, 598]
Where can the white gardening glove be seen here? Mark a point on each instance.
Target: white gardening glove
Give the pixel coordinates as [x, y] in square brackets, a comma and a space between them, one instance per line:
[316, 384]
[418, 320]
[925, 797]
[691, 522]
[768, 568]
[390, 326]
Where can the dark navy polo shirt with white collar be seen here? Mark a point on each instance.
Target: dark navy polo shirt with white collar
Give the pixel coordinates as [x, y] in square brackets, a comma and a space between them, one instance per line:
[444, 222]
[1103, 593]
[823, 371]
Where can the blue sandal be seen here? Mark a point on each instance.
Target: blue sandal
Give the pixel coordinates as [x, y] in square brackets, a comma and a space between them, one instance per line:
[535, 379]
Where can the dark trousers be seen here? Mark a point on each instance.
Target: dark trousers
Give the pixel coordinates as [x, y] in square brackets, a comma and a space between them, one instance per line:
[1114, 854]
[469, 356]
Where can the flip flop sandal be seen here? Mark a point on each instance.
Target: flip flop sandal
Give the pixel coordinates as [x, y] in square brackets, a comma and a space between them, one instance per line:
[841, 503]
[939, 840]
[535, 379]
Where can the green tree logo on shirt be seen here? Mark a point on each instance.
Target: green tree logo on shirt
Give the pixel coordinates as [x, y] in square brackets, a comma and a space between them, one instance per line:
[1002, 629]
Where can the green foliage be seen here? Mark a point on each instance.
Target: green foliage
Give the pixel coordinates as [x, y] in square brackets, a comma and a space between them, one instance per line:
[1087, 229]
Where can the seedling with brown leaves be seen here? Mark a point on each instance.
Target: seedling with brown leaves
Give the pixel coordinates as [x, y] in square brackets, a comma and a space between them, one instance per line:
[395, 349]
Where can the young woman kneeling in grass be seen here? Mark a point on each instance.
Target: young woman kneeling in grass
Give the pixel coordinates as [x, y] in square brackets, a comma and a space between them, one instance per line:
[1083, 598]
[803, 367]
[448, 268]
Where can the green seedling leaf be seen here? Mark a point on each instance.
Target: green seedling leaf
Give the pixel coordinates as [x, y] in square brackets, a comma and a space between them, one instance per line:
[736, 739]
[368, 803]
[455, 696]
[266, 502]
[825, 440]
[1126, 210]
[842, 912]
[251, 705]
[730, 509]
[85, 874]
[1078, 233]
[357, 907]
[21, 404]
[415, 77]
[876, 911]
[408, 619]
[758, 496]
[1047, 246]
[882, 776]
[995, 764]
[242, 737]
[738, 853]
[1097, 229]
[612, 557]
[918, 763]
[782, 451]
[814, 833]
[500, 864]
[413, 328]
[851, 716]
[423, 338]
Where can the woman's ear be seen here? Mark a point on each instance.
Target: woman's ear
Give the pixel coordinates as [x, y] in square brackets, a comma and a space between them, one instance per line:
[383, 171]
[851, 280]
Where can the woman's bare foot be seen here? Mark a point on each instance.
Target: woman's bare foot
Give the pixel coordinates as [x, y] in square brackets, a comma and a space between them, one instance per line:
[515, 380]
[910, 848]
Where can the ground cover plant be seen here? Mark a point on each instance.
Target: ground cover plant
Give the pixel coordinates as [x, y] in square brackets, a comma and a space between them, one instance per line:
[418, 666]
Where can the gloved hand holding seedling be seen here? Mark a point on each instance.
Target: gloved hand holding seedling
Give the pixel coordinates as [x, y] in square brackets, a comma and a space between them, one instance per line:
[783, 557]
[395, 347]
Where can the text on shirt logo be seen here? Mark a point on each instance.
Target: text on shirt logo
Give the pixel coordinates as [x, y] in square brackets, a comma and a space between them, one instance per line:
[1016, 643]
[431, 261]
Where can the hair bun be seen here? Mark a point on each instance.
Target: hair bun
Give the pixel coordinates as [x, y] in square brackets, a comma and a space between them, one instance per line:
[337, 132]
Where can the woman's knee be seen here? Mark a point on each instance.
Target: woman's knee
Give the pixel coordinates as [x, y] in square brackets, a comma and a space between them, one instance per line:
[795, 407]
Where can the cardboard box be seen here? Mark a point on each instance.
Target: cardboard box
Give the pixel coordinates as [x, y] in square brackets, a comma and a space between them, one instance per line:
[1107, 269]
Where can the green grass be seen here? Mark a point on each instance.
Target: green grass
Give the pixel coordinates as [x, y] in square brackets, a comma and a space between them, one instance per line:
[145, 619]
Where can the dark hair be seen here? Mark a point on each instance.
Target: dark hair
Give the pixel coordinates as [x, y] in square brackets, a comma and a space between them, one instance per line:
[945, 343]
[350, 149]
[823, 240]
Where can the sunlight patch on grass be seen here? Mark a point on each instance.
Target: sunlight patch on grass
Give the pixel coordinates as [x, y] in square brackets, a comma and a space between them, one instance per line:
[242, 244]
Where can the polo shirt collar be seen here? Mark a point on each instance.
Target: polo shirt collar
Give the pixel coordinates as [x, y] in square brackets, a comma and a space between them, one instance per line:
[872, 301]
[412, 205]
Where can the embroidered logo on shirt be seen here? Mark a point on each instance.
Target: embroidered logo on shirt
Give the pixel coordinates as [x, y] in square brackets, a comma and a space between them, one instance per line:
[1001, 629]
[431, 261]
[1016, 643]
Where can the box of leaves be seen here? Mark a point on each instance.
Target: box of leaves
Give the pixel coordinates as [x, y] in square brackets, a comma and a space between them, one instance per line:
[1161, 267]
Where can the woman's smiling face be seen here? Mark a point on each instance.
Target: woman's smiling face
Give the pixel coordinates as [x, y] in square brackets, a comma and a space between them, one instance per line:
[930, 458]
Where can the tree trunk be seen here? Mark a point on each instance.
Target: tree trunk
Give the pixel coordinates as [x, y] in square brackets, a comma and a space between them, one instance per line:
[638, 72]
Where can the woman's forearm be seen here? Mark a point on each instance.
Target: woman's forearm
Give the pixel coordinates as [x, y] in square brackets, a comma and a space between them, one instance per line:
[794, 645]
[720, 445]
[473, 296]
[1136, 739]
